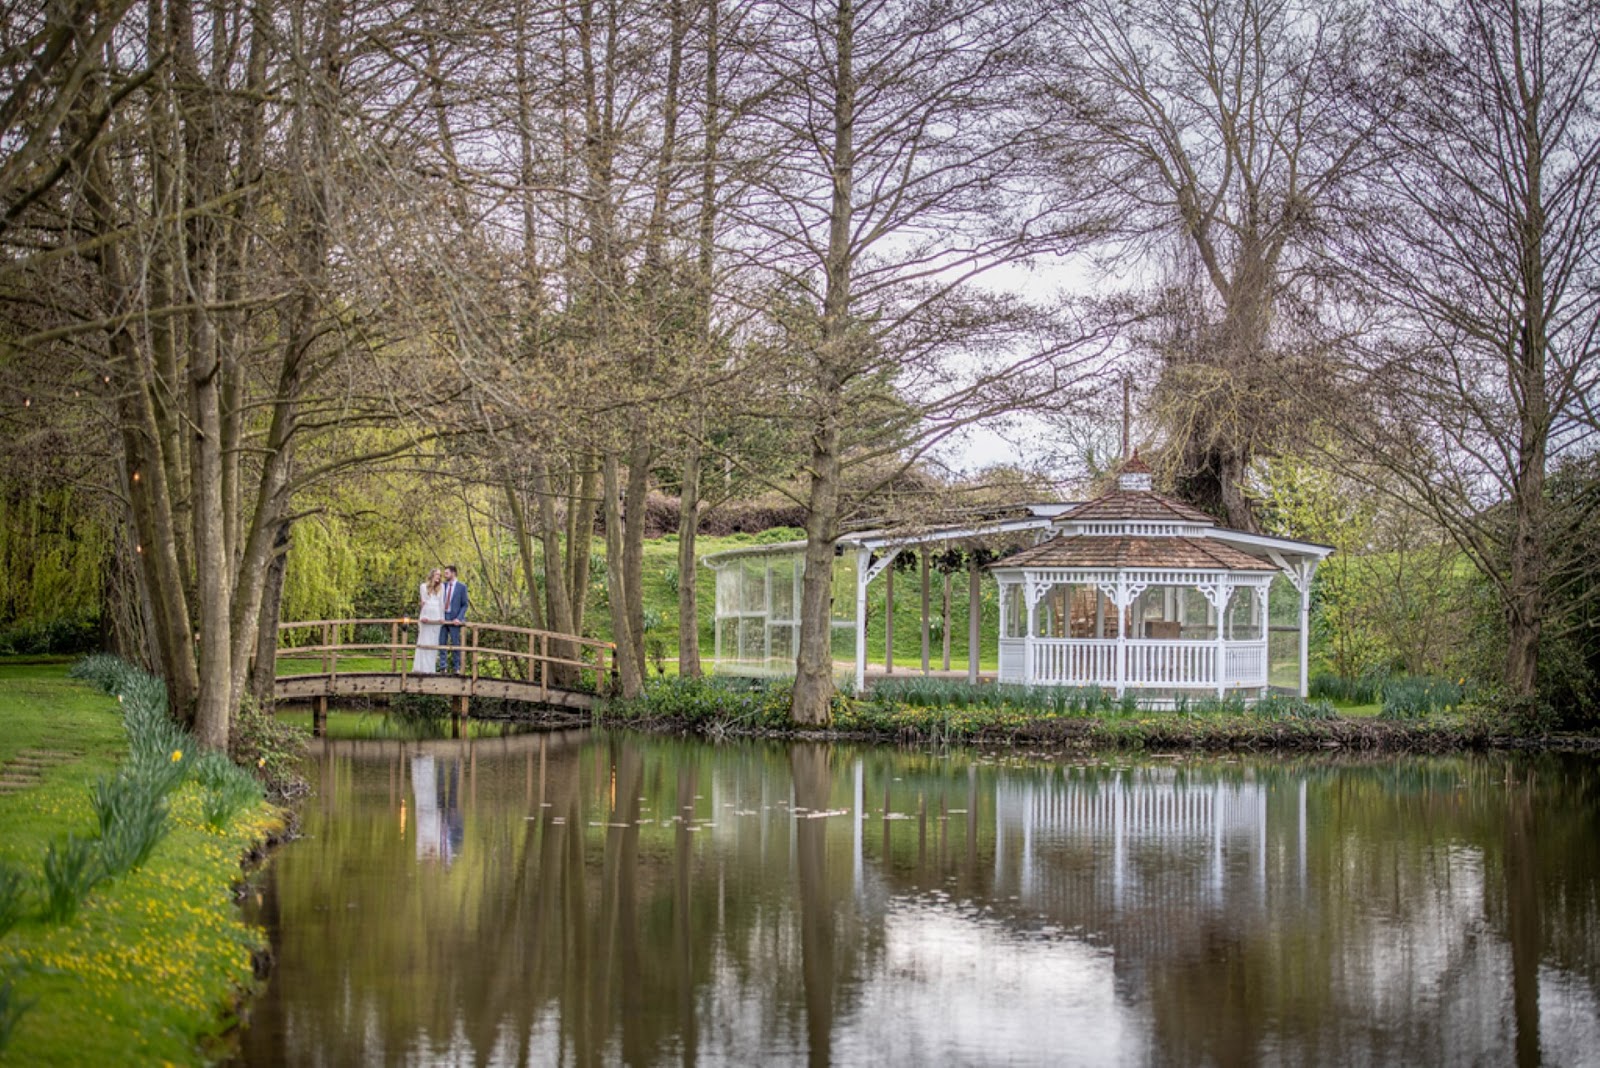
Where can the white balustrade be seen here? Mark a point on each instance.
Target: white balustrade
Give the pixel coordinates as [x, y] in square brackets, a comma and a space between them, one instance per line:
[1149, 663]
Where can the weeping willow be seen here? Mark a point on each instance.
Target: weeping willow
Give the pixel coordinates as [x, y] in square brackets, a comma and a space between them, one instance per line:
[53, 555]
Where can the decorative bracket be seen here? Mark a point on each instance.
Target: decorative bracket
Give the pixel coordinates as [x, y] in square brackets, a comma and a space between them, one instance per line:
[1218, 593]
[874, 570]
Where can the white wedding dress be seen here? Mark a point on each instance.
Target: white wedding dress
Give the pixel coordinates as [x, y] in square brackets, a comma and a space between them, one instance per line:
[426, 660]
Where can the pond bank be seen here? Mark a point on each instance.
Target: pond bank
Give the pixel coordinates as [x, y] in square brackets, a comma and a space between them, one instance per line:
[154, 963]
[1277, 724]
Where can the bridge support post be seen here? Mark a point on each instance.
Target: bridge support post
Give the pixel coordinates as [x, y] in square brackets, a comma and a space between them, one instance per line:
[460, 712]
[319, 718]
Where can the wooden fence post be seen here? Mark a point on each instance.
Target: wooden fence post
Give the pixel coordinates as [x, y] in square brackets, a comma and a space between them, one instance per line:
[394, 646]
[544, 666]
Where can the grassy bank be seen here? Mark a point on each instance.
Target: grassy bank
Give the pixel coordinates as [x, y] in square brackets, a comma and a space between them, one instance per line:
[148, 964]
[939, 713]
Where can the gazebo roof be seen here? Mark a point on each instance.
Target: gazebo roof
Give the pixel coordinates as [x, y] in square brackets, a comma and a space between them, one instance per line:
[1135, 505]
[1135, 551]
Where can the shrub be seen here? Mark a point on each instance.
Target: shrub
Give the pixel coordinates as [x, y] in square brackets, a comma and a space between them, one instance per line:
[269, 749]
[669, 578]
[67, 635]
[71, 869]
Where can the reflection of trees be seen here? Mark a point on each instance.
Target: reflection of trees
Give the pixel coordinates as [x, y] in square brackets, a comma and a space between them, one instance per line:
[811, 792]
[599, 929]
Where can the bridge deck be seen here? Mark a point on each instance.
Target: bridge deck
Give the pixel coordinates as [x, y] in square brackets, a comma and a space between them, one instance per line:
[343, 684]
[543, 655]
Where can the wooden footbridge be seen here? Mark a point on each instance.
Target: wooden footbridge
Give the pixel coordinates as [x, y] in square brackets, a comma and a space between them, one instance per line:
[511, 663]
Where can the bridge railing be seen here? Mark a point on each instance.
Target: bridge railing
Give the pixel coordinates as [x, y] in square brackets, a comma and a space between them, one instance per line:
[488, 650]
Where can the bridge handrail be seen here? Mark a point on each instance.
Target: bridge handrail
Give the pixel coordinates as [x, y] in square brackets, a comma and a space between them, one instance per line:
[407, 621]
[471, 655]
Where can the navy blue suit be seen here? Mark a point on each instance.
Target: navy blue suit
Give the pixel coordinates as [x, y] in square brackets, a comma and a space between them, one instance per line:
[455, 611]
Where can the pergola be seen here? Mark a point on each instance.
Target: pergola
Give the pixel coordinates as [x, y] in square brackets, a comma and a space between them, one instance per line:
[1139, 592]
[757, 622]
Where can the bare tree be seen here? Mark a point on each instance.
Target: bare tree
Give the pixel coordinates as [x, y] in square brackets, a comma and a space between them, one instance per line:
[1480, 239]
[1215, 148]
[895, 180]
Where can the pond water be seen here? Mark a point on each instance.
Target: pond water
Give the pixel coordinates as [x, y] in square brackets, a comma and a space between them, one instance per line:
[593, 898]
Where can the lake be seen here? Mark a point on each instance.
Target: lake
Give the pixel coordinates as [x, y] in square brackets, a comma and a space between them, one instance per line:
[615, 898]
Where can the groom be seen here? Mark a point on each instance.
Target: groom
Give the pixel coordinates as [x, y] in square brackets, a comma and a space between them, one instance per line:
[455, 612]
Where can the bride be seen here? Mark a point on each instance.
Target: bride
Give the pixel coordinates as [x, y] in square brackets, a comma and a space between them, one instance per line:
[429, 616]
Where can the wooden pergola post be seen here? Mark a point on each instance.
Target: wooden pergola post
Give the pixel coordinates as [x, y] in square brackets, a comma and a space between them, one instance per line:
[888, 621]
[925, 604]
[944, 619]
[974, 620]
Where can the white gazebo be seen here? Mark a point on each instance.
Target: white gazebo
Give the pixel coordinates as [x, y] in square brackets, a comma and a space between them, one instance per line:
[1137, 592]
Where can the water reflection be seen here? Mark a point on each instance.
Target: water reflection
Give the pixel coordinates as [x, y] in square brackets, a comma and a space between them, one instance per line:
[603, 899]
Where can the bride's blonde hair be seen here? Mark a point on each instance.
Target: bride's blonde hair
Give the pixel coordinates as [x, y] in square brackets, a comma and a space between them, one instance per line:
[435, 580]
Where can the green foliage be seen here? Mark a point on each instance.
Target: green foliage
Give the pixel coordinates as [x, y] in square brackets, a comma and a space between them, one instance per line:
[139, 975]
[1278, 706]
[227, 789]
[777, 535]
[71, 870]
[13, 896]
[55, 542]
[271, 749]
[61, 635]
[1408, 697]
[710, 701]
[1362, 690]
[11, 1009]
[923, 692]
[132, 835]
[669, 579]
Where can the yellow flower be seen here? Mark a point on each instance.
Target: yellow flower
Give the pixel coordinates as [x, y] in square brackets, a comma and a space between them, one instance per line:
[177, 755]
[261, 763]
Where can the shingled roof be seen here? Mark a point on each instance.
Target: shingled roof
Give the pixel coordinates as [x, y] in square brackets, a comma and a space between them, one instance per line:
[1139, 505]
[1128, 551]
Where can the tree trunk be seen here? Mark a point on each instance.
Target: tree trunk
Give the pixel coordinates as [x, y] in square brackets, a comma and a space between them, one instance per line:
[813, 684]
[630, 668]
[263, 670]
[688, 566]
[633, 519]
[813, 680]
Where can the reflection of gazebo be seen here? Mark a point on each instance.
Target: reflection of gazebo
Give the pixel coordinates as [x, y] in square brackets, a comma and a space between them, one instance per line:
[1140, 592]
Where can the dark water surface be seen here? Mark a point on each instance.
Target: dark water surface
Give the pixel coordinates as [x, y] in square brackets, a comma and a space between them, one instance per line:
[584, 898]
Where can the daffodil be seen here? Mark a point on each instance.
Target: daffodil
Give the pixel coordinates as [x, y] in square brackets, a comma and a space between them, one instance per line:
[177, 755]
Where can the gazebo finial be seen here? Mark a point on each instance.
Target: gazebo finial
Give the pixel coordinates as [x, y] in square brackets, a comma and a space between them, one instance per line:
[1135, 475]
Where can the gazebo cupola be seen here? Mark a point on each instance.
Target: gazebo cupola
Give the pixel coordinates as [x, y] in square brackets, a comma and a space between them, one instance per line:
[1139, 592]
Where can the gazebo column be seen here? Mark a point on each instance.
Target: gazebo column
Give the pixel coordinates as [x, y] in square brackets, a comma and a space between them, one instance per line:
[1030, 593]
[1121, 602]
[1224, 593]
[863, 576]
[1304, 573]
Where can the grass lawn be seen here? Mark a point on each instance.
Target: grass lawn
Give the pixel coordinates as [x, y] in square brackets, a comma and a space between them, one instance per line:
[148, 969]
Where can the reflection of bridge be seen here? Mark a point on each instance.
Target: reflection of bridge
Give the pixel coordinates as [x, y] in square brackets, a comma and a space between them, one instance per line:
[511, 663]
